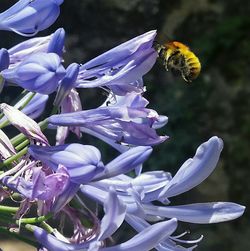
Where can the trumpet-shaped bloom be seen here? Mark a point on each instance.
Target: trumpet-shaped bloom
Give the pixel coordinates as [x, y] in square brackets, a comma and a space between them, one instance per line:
[41, 72]
[121, 68]
[127, 121]
[28, 17]
[83, 162]
[53, 43]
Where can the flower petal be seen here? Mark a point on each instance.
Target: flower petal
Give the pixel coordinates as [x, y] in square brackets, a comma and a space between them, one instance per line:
[114, 215]
[195, 170]
[202, 213]
[148, 238]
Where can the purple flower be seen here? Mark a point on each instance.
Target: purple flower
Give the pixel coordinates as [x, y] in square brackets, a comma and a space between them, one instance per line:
[83, 162]
[28, 17]
[41, 72]
[41, 186]
[121, 68]
[113, 218]
[139, 193]
[52, 43]
[200, 167]
[128, 121]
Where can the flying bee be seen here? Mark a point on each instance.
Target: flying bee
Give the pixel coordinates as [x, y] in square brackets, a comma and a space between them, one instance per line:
[178, 57]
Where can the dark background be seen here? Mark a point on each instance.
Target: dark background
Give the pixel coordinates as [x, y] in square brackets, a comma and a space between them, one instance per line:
[217, 103]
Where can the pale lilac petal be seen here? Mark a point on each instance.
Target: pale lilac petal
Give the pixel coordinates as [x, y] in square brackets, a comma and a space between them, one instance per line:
[148, 238]
[83, 162]
[114, 215]
[65, 197]
[6, 148]
[121, 69]
[125, 162]
[51, 242]
[122, 50]
[23, 123]
[29, 17]
[124, 124]
[202, 213]
[40, 72]
[195, 170]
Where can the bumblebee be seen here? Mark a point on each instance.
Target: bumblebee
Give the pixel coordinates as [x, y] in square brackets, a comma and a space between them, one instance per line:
[178, 57]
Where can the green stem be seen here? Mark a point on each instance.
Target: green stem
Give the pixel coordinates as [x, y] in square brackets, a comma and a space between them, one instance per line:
[14, 157]
[22, 145]
[7, 209]
[18, 139]
[35, 220]
[47, 227]
[4, 123]
[27, 101]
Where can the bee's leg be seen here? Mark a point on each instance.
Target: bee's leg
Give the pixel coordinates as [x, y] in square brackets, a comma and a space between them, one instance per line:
[165, 63]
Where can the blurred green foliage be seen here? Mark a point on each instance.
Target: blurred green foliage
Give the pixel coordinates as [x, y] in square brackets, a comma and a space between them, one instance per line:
[217, 103]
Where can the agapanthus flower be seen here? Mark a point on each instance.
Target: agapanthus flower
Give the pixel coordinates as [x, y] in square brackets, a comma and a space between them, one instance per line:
[28, 17]
[57, 180]
[121, 68]
[114, 216]
[40, 186]
[84, 165]
[83, 162]
[127, 121]
[52, 43]
[139, 193]
[41, 72]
